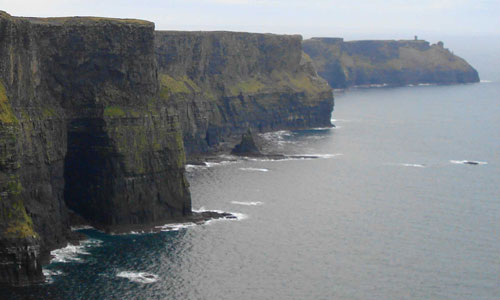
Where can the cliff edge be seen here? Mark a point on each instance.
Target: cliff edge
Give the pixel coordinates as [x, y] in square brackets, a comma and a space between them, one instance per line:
[378, 62]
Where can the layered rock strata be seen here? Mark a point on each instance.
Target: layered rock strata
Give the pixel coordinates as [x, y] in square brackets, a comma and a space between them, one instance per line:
[395, 63]
[223, 83]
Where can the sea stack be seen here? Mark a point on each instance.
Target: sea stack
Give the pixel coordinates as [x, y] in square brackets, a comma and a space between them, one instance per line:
[247, 146]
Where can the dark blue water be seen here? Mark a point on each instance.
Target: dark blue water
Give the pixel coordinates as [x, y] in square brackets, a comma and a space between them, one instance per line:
[389, 211]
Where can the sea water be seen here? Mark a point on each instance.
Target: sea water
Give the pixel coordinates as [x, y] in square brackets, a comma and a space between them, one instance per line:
[389, 209]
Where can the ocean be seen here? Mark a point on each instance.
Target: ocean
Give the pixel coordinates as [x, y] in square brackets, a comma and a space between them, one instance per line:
[402, 202]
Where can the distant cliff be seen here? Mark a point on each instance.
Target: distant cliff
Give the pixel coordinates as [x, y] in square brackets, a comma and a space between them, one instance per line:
[223, 83]
[403, 62]
[81, 126]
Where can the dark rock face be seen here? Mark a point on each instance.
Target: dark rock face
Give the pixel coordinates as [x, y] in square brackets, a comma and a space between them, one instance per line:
[247, 146]
[223, 83]
[397, 63]
[81, 125]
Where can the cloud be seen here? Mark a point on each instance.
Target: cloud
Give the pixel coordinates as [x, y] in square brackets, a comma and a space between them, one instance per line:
[327, 17]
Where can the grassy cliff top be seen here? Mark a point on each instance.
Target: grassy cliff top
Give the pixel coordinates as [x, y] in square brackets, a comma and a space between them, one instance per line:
[83, 21]
[224, 32]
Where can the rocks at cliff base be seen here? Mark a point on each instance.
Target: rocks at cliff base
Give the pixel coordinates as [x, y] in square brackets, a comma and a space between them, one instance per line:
[247, 146]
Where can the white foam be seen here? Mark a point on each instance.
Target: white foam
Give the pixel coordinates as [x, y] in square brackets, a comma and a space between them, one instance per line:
[139, 277]
[340, 120]
[313, 156]
[175, 226]
[468, 162]
[209, 164]
[256, 203]
[296, 157]
[371, 85]
[81, 227]
[413, 165]
[72, 253]
[485, 81]
[194, 167]
[49, 274]
[321, 128]
[254, 169]
[219, 163]
[276, 135]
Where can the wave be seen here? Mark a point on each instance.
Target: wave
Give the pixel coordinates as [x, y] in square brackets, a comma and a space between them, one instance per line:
[139, 277]
[295, 157]
[468, 162]
[210, 164]
[175, 226]
[485, 81]
[254, 169]
[49, 275]
[72, 253]
[256, 203]
[374, 85]
[313, 156]
[219, 163]
[190, 167]
[277, 134]
[413, 165]
[321, 128]
[340, 120]
[81, 227]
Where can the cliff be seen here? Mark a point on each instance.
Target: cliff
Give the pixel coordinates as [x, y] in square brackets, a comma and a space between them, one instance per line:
[82, 126]
[397, 63]
[95, 113]
[223, 83]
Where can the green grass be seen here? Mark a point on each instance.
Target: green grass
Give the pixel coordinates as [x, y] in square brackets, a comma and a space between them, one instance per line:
[20, 224]
[114, 112]
[249, 86]
[171, 85]
[87, 21]
[6, 114]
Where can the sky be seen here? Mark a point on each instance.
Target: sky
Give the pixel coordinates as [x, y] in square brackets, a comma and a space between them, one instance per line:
[345, 18]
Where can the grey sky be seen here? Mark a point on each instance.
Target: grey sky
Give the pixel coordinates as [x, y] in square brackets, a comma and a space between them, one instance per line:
[348, 18]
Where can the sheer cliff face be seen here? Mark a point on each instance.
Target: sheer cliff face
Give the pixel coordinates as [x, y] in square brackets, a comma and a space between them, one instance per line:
[223, 83]
[405, 62]
[81, 126]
